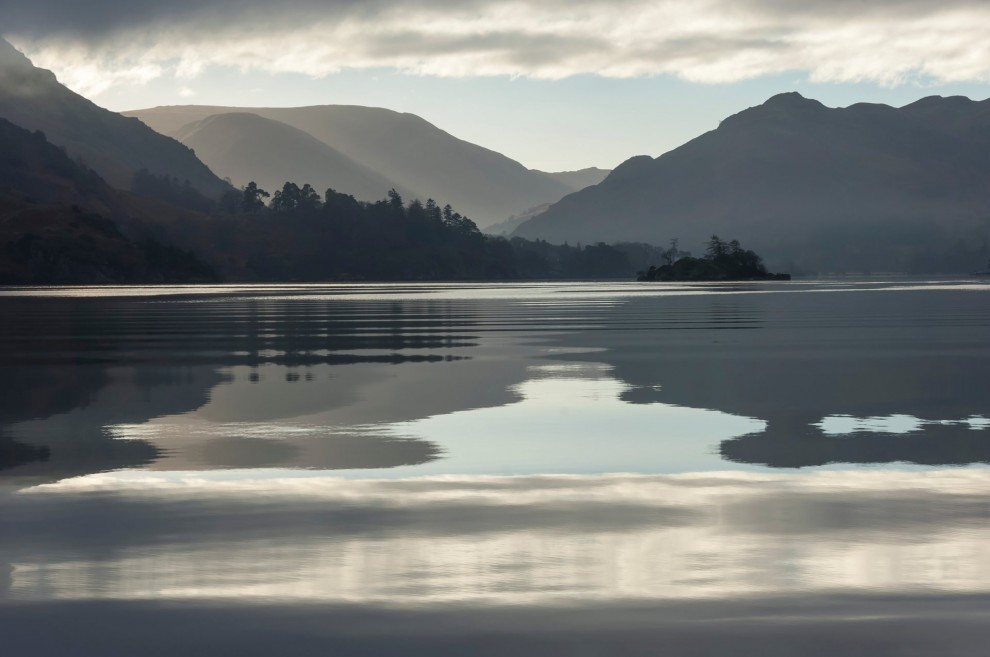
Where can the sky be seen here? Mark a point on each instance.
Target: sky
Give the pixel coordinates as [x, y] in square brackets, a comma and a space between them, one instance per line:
[555, 84]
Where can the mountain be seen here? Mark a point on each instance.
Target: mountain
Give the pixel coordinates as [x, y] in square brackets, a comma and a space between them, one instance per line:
[246, 147]
[506, 228]
[485, 185]
[863, 188]
[578, 180]
[37, 172]
[33, 170]
[114, 146]
[46, 237]
[575, 180]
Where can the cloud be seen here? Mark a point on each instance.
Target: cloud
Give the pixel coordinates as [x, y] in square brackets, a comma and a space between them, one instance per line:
[889, 42]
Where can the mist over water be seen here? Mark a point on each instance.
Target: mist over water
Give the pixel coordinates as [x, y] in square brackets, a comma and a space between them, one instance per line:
[486, 469]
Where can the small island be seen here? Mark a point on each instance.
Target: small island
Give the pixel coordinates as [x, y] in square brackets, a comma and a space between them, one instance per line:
[723, 261]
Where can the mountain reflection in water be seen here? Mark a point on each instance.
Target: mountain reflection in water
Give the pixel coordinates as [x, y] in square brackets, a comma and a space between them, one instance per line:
[398, 367]
[496, 469]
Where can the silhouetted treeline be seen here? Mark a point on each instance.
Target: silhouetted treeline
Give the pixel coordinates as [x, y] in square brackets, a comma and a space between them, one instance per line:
[723, 261]
[540, 259]
[52, 247]
[295, 234]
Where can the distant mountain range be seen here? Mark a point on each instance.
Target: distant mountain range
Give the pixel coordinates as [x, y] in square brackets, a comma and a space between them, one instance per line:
[363, 151]
[106, 199]
[114, 146]
[362, 147]
[867, 187]
[813, 189]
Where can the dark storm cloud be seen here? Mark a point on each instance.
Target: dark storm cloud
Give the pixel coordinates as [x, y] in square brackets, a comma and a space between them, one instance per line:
[100, 17]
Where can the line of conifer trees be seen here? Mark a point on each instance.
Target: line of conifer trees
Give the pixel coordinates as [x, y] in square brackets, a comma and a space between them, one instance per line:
[297, 234]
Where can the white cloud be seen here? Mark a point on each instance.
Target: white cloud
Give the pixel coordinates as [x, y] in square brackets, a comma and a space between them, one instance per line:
[91, 76]
[699, 40]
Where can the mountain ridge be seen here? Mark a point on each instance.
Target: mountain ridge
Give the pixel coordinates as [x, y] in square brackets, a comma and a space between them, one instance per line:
[792, 173]
[403, 147]
[56, 226]
[115, 146]
[246, 147]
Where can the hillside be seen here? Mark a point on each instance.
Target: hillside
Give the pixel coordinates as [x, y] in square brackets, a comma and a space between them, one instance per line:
[245, 147]
[114, 146]
[50, 234]
[863, 188]
[38, 172]
[506, 228]
[404, 148]
[54, 225]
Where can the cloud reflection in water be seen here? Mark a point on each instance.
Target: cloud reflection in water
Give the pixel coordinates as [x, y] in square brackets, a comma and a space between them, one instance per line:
[498, 540]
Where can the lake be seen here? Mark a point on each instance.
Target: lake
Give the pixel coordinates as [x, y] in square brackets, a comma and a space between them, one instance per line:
[488, 469]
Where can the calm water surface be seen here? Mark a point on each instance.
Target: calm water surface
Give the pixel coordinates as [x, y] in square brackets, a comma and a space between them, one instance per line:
[589, 468]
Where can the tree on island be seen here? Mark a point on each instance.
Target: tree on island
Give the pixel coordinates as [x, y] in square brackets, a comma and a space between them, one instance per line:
[723, 261]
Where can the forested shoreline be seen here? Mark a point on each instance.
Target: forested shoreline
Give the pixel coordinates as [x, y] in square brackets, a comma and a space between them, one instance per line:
[297, 234]
[82, 231]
